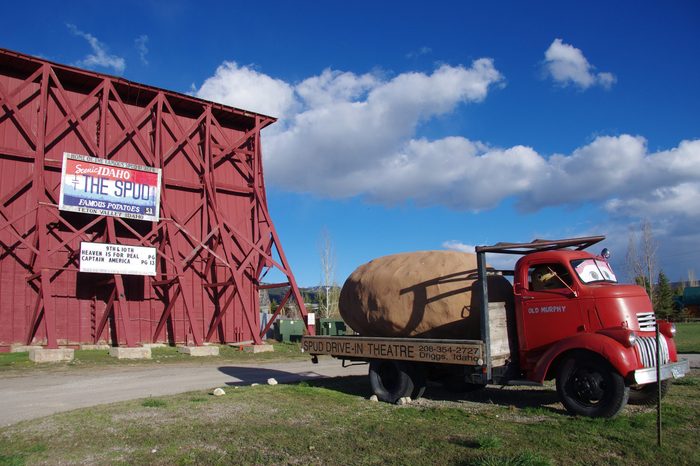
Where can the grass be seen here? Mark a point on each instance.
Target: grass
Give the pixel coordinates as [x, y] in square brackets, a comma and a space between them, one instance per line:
[688, 337]
[330, 422]
[154, 403]
[167, 355]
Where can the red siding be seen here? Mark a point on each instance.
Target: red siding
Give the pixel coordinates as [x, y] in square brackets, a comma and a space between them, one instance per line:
[213, 212]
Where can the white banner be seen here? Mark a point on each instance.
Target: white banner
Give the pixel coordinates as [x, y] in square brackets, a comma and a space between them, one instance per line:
[117, 258]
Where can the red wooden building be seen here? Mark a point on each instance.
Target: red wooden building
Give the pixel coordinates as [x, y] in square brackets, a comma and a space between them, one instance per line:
[213, 239]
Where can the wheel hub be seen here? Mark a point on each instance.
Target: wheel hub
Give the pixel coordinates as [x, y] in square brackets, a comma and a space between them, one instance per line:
[588, 386]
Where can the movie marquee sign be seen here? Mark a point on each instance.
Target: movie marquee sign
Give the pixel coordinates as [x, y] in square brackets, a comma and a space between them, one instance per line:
[105, 187]
[117, 258]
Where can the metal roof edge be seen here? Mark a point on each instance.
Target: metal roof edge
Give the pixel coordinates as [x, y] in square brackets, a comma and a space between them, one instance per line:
[128, 82]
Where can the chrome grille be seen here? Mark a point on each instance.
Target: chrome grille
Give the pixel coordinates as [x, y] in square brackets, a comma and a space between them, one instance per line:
[647, 321]
[646, 346]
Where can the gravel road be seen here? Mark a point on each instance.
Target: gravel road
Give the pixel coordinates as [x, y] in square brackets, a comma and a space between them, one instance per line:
[36, 395]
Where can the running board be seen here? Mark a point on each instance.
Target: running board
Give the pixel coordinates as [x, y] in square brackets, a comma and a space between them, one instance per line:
[524, 382]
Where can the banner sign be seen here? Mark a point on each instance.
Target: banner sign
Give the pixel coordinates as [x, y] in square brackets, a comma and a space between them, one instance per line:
[106, 187]
[467, 352]
[117, 258]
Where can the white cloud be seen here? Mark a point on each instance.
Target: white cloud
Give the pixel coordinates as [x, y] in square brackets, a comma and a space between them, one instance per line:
[420, 52]
[243, 87]
[567, 65]
[99, 56]
[622, 174]
[141, 44]
[454, 245]
[332, 87]
[498, 261]
[453, 171]
[679, 200]
[344, 135]
[354, 133]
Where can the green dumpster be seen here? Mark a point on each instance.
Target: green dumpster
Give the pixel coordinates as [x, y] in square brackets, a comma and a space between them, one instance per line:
[288, 330]
[331, 327]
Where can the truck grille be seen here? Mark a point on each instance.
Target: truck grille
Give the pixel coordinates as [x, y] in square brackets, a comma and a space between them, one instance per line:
[647, 321]
[646, 346]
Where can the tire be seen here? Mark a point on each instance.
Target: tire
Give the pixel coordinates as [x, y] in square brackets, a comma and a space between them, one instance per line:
[390, 380]
[589, 386]
[648, 395]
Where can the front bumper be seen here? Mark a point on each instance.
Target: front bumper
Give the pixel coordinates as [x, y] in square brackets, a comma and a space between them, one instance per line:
[671, 370]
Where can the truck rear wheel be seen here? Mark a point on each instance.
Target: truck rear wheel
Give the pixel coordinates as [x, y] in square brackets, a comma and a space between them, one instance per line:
[648, 394]
[589, 386]
[390, 380]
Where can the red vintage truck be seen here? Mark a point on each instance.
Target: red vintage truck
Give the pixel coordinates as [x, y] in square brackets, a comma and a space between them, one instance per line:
[569, 320]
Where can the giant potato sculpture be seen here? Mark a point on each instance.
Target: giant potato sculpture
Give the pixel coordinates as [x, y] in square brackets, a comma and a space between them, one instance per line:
[427, 294]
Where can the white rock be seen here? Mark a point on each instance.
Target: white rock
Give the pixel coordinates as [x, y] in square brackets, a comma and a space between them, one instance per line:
[373, 398]
[218, 392]
[271, 381]
[403, 401]
[254, 384]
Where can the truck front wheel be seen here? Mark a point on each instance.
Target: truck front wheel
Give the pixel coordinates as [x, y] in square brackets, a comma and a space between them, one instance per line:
[648, 394]
[589, 386]
[390, 380]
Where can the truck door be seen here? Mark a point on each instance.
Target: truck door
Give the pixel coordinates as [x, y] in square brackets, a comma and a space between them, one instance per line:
[548, 305]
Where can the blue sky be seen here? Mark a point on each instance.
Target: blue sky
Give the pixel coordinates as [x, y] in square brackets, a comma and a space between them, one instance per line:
[412, 125]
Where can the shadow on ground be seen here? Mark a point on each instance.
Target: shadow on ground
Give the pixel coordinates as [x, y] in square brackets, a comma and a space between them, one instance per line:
[358, 385]
[246, 375]
[519, 397]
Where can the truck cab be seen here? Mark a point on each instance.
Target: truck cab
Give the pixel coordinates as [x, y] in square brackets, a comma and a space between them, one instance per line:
[577, 324]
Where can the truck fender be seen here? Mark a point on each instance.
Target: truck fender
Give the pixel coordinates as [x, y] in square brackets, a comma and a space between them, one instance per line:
[622, 358]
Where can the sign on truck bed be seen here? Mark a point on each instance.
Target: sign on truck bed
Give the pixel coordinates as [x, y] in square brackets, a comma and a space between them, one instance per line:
[466, 352]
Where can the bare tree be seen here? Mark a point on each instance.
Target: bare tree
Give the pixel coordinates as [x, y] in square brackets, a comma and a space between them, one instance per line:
[648, 248]
[692, 280]
[327, 253]
[641, 256]
[632, 261]
[264, 296]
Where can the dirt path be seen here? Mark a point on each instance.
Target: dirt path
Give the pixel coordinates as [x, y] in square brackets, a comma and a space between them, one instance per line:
[36, 395]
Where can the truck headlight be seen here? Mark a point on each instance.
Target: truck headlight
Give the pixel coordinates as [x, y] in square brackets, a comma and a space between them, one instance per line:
[632, 339]
[666, 328]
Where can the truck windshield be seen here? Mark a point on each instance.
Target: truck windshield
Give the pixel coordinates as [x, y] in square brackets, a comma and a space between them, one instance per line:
[593, 270]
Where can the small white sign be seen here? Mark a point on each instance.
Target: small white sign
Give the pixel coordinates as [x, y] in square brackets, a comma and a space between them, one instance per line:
[311, 318]
[117, 258]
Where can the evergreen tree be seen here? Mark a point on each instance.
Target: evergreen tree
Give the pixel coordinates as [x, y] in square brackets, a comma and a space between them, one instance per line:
[643, 282]
[663, 296]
